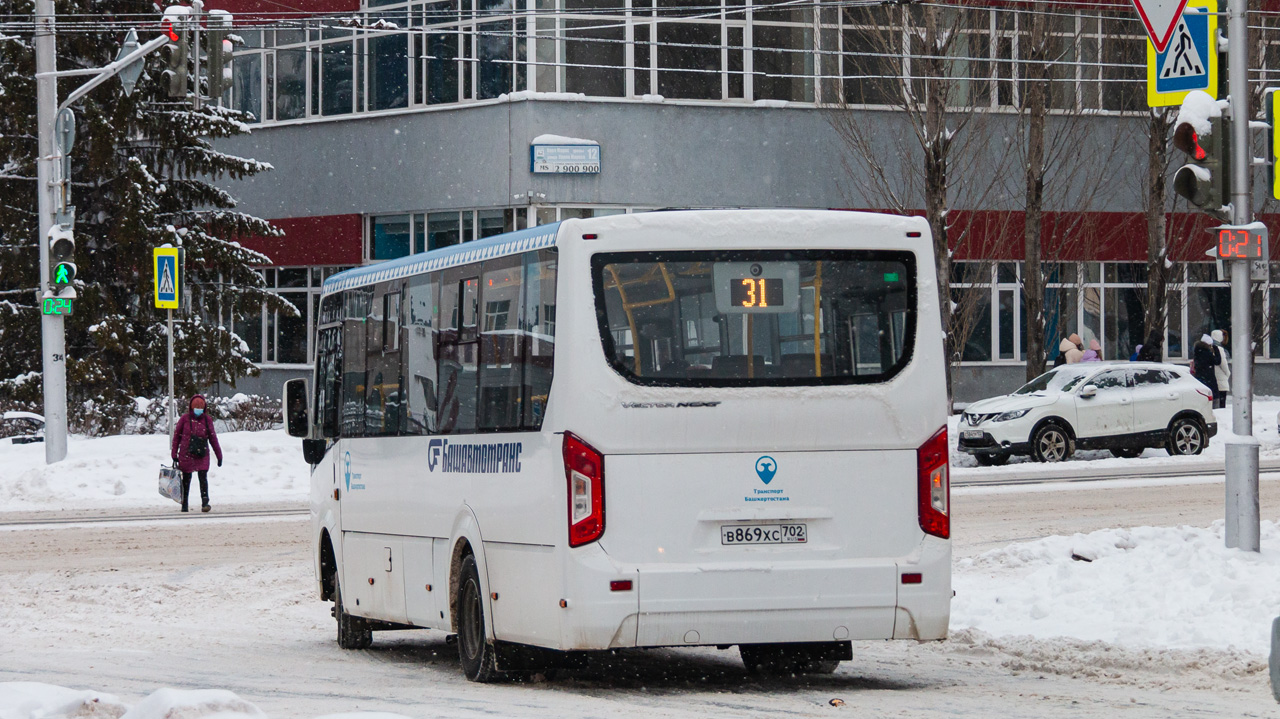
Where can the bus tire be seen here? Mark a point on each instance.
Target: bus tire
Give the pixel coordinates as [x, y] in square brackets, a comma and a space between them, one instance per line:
[783, 660]
[474, 650]
[353, 632]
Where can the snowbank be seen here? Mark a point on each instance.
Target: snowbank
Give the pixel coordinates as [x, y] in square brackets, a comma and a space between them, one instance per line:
[122, 471]
[1147, 587]
[560, 140]
[30, 700]
[1264, 428]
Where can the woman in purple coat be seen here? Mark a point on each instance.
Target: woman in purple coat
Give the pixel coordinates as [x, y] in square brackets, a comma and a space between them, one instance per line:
[192, 439]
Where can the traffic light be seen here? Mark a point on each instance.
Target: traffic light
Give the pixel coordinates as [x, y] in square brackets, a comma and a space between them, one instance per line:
[1202, 134]
[179, 48]
[62, 264]
[219, 52]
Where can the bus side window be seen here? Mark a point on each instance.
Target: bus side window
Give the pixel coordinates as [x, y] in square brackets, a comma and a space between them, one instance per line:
[329, 368]
[539, 334]
[501, 359]
[383, 380]
[456, 383]
[421, 332]
[355, 312]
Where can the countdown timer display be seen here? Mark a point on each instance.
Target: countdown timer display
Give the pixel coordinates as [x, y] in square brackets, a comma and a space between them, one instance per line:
[1240, 244]
[58, 306]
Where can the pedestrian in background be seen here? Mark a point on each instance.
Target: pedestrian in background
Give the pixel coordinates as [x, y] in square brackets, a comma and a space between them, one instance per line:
[1204, 357]
[1222, 370]
[1093, 354]
[192, 439]
[1153, 349]
[1070, 349]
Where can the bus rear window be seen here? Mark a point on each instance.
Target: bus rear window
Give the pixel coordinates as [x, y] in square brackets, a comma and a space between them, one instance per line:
[756, 318]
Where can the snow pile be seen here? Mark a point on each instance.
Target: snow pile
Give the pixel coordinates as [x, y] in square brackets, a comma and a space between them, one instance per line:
[1165, 587]
[122, 471]
[193, 704]
[30, 700]
[1200, 109]
[547, 139]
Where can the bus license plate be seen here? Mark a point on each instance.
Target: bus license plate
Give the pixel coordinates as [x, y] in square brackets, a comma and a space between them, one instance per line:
[763, 534]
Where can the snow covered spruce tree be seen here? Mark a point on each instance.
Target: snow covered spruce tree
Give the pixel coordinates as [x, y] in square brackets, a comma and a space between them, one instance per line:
[144, 172]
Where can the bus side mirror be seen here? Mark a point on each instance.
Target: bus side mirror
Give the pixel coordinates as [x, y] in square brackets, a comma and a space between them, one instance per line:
[295, 408]
[1089, 391]
[313, 450]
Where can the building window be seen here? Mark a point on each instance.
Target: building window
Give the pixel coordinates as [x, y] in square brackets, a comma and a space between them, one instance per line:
[389, 71]
[337, 65]
[246, 84]
[783, 56]
[595, 49]
[449, 51]
[391, 237]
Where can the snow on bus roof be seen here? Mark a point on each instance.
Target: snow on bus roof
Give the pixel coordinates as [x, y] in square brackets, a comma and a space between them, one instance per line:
[510, 243]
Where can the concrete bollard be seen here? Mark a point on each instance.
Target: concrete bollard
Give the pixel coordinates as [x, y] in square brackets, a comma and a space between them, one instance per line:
[1274, 662]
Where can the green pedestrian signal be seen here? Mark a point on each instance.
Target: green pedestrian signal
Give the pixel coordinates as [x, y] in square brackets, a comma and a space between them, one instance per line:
[62, 265]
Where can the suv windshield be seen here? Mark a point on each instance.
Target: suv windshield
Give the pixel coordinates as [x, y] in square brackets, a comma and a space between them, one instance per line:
[1058, 380]
[750, 318]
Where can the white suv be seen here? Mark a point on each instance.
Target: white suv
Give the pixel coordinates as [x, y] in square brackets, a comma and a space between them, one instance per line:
[1122, 407]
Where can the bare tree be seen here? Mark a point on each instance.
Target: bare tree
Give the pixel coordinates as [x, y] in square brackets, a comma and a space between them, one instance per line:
[916, 61]
[1159, 268]
[1061, 179]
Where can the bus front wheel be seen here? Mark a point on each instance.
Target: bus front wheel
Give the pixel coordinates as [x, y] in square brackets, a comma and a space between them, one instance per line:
[474, 650]
[353, 632]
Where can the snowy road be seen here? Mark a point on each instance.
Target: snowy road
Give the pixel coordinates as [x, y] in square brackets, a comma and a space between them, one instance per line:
[129, 606]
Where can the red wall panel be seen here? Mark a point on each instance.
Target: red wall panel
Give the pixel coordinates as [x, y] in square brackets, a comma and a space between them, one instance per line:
[328, 240]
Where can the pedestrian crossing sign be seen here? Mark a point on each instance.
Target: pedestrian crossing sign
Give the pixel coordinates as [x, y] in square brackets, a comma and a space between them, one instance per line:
[168, 278]
[1190, 59]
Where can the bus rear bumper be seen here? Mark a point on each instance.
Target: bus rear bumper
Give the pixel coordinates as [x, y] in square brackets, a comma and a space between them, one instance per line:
[736, 603]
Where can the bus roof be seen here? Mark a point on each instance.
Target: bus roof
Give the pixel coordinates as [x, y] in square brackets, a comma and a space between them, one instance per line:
[510, 243]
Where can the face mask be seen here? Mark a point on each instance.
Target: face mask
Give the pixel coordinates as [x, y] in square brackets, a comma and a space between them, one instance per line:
[198, 410]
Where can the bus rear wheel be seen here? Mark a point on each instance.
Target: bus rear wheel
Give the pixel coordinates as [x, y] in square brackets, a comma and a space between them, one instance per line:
[474, 650]
[784, 660]
[353, 632]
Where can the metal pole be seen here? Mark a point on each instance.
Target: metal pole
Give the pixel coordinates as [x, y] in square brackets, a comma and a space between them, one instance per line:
[197, 11]
[172, 401]
[1242, 521]
[52, 340]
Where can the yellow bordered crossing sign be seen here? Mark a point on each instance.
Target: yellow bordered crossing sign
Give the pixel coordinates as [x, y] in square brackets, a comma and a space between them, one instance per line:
[168, 277]
[1272, 104]
[1190, 58]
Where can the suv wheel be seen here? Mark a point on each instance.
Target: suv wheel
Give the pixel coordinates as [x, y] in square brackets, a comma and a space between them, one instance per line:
[1186, 436]
[1052, 443]
[1127, 452]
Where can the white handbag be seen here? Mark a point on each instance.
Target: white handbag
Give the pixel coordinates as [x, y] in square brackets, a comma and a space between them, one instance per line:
[171, 483]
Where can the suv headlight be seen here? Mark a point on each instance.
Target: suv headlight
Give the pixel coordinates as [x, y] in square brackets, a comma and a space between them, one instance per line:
[1015, 414]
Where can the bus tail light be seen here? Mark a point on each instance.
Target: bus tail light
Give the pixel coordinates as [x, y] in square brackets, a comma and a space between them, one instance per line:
[934, 486]
[584, 469]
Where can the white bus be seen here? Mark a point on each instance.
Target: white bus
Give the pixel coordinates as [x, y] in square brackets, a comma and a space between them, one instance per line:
[649, 430]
